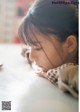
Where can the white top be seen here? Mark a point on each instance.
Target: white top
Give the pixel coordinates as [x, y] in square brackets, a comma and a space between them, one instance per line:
[26, 91]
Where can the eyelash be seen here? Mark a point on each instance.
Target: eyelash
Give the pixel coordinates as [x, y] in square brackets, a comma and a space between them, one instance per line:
[38, 49]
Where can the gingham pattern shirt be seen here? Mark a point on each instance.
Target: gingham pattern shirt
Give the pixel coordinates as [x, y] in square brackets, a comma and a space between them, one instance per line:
[52, 73]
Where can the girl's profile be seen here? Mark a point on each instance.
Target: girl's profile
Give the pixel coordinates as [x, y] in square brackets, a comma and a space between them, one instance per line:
[51, 32]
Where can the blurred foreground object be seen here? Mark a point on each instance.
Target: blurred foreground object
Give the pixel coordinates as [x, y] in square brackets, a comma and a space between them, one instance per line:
[1, 65]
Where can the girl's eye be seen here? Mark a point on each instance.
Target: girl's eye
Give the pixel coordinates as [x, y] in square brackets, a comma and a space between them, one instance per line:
[38, 49]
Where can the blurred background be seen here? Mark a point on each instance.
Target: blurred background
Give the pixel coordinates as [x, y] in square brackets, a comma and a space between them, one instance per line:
[11, 13]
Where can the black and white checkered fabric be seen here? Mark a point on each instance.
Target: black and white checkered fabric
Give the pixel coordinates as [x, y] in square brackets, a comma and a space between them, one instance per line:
[52, 74]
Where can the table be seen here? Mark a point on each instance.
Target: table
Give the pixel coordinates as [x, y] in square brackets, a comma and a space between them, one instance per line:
[27, 91]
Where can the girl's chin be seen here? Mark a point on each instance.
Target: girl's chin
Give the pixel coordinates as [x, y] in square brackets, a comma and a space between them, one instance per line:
[44, 69]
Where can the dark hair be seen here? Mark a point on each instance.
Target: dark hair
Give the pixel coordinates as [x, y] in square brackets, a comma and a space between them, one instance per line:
[50, 18]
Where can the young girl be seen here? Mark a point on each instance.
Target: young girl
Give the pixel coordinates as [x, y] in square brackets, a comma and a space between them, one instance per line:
[51, 31]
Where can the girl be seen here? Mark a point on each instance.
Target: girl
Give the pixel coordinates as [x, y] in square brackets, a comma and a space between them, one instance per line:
[51, 31]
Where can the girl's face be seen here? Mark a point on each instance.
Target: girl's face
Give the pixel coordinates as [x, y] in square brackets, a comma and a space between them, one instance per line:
[48, 52]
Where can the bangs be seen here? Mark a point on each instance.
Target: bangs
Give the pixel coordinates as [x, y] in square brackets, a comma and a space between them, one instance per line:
[31, 35]
[27, 32]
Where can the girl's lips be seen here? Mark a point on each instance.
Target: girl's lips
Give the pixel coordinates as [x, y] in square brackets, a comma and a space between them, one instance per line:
[37, 68]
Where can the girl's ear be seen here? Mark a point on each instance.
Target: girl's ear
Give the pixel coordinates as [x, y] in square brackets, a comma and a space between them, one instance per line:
[71, 43]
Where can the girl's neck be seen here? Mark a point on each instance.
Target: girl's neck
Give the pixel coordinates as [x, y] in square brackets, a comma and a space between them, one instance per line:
[72, 60]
